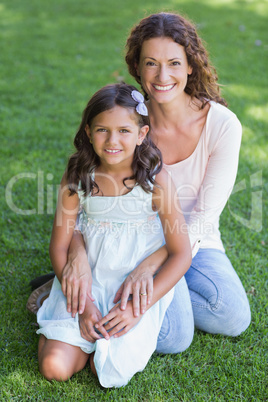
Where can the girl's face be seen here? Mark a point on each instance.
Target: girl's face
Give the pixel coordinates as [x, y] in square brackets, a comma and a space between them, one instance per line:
[114, 135]
[163, 69]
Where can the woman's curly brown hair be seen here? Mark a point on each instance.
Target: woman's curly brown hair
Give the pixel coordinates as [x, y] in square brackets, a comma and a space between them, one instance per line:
[147, 159]
[202, 83]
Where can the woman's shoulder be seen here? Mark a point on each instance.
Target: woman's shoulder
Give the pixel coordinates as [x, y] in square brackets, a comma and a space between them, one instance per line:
[222, 126]
[221, 114]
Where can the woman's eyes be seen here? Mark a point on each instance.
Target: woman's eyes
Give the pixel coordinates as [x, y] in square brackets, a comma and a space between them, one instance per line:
[173, 63]
[150, 63]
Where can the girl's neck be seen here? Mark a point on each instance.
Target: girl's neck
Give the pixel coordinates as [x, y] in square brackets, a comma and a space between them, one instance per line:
[110, 180]
[114, 171]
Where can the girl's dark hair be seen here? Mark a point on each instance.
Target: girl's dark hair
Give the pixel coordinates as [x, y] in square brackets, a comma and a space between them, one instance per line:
[202, 83]
[147, 160]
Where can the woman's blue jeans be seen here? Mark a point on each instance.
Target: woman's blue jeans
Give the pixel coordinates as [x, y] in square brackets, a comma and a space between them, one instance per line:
[210, 297]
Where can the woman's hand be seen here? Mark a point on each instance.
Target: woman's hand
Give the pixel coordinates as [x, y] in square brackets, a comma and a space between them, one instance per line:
[76, 280]
[119, 322]
[139, 282]
[87, 321]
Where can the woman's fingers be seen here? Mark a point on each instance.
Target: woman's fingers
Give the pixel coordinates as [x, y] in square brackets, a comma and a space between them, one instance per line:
[136, 299]
[127, 290]
[119, 293]
[143, 300]
[150, 289]
[81, 298]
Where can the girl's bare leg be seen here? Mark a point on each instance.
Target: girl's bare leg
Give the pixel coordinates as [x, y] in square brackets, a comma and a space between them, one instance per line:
[58, 360]
[92, 365]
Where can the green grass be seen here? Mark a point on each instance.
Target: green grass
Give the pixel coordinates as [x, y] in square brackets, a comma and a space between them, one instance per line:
[54, 56]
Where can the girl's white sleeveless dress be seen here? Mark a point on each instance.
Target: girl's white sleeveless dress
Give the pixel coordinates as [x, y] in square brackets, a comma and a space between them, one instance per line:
[119, 232]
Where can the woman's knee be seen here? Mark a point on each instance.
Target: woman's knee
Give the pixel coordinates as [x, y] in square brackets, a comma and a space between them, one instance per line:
[231, 317]
[236, 319]
[220, 303]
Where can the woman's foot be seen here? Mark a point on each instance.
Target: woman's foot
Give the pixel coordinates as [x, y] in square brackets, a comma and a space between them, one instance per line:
[38, 296]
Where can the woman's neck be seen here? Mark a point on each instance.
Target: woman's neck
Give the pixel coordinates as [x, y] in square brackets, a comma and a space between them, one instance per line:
[173, 114]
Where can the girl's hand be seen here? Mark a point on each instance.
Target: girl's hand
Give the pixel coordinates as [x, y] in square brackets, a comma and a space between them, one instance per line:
[139, 283]
[76, 280]
[87, 321]
[119, 322]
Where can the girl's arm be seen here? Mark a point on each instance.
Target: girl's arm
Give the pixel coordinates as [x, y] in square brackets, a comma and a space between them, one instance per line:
[76, 280]
[63, 227]
[178, 262]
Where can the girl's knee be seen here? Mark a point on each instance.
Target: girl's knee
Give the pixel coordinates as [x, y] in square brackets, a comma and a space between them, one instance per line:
[52, 368]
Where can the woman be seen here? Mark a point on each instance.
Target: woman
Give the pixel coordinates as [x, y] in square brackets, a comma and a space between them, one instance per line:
[200, 140]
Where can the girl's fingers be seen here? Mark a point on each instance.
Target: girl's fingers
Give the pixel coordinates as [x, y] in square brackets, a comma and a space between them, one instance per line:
[105, 319]
[89, 334]
[116, 329]
[122, 332]
[103, 331]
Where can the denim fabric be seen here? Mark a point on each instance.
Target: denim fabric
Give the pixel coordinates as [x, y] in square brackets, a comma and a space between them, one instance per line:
[219, 303]
[177, 329]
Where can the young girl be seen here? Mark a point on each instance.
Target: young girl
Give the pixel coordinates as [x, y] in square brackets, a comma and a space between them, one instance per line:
[115, 178]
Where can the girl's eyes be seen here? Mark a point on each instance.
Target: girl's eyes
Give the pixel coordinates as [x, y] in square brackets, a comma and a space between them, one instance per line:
[104, 130]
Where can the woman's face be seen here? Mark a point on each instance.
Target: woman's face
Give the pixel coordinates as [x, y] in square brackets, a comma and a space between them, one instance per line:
[163, 69]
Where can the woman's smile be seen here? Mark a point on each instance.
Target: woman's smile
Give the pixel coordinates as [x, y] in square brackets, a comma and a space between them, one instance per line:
[163, 87]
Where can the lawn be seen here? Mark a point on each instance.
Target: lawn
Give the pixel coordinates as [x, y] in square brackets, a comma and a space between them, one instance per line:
[54, 56]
